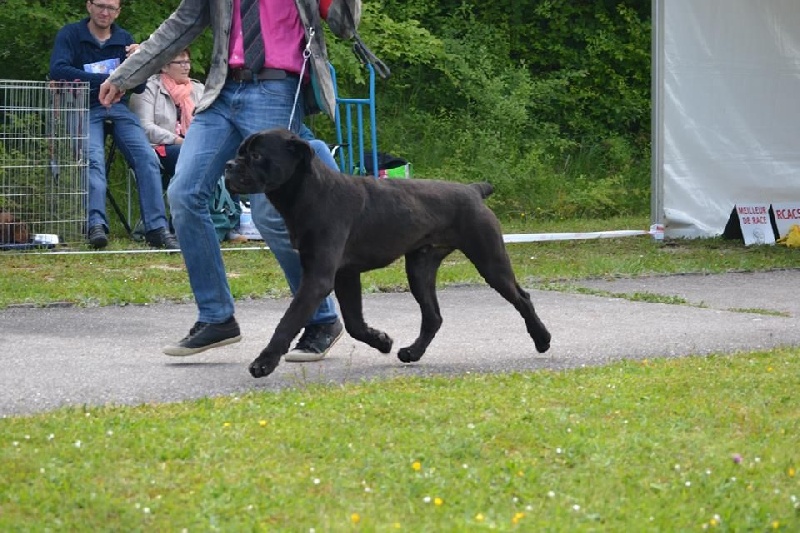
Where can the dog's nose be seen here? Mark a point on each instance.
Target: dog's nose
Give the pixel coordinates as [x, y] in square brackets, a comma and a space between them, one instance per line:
[229, 166]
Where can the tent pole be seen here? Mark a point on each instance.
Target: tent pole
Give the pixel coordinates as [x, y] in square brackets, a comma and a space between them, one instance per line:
[657, 114]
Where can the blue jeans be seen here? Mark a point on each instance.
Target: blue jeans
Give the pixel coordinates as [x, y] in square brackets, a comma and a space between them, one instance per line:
[133, 144]
[240, 110]
[168, 162]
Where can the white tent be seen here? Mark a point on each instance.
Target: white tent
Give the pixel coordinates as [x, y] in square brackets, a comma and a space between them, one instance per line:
[726, 110]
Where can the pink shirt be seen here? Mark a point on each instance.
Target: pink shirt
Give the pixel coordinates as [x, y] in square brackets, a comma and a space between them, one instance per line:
[284, 38]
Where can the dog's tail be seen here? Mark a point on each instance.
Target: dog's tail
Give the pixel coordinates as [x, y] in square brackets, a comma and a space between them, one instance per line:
[483, 188]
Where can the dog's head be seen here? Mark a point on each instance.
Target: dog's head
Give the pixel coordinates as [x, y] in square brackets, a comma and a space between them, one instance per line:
[266, 160]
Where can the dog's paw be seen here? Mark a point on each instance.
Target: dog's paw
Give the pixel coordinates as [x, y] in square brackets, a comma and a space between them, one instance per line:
[409, 354]
[543, 344]
[263, 366]
[380, 341]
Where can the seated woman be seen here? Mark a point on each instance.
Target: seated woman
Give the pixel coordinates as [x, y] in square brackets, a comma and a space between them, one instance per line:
[166, 108]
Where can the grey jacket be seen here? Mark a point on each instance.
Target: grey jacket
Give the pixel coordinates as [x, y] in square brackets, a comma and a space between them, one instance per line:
[191, 17]
[157, 111]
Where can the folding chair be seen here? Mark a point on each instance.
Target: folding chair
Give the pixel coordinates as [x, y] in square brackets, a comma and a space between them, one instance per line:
[355, 128]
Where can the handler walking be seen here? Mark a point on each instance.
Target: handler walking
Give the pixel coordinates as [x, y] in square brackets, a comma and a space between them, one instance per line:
[261, 52]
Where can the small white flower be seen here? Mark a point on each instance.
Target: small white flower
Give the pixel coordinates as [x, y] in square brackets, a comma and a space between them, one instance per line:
[708, 472]
[471, 425]
[758, 459]
[15, 444]
[688, 483]
[146, 510]
[576, 507]
[367, 489]
[427, 499]
[109, 432]
[558, 450]
[677, 467]
[316, 481]
[551, 494]
[77, 444]
[51, 436]
[465, 466]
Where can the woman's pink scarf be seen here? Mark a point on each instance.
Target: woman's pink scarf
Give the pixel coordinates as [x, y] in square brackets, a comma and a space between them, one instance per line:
[181, 94]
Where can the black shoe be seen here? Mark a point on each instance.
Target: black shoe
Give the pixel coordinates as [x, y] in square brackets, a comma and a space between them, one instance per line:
[97, 237]
[203, 336]
[161, 238]
[315, 342]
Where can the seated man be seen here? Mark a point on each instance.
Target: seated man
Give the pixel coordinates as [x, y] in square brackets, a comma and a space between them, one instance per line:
[89, 50]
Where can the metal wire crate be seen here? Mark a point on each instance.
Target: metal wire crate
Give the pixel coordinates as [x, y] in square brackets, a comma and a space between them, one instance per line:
[44, 143]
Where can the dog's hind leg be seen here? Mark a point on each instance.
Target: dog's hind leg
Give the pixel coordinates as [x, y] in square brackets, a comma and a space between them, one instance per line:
[421, 267]
[488, 253]
[348, 291]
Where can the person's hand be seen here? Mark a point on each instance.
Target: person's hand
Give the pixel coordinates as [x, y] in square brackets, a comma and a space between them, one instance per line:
[110, 94]
[131, 49]
[178, 140]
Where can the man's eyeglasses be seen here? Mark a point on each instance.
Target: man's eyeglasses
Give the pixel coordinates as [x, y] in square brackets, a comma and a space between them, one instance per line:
[105, 7]
[184, 63]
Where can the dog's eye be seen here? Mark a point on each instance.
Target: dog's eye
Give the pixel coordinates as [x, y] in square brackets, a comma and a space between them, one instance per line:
[255, 156]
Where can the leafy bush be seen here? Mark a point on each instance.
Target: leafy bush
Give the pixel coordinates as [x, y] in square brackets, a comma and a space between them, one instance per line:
[549, 99]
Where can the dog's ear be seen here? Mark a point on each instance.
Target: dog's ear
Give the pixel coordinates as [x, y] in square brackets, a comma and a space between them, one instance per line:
[302, 151]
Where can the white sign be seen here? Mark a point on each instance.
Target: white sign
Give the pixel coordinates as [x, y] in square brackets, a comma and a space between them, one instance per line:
[755, 224]
[786, 215]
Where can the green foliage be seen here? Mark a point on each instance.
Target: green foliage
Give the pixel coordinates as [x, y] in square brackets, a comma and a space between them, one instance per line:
[548, 99]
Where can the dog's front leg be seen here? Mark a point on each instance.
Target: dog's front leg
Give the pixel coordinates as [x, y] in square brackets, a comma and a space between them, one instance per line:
[301, 309]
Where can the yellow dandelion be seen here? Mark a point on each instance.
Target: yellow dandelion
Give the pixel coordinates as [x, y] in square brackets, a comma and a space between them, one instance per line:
[438, 501]
[517, 518]
[355, 518]
[396, 525]
[769, 369]
[417, 466]
[791, 471]
[521, 473]
[226, 425]
[713, 522]
[479, 517]
[262, 423]
[776, 524]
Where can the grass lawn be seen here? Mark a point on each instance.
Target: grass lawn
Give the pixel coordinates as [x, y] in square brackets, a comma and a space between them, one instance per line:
[690, 444]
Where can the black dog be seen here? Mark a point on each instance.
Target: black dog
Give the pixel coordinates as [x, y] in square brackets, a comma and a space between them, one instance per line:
[343, 226]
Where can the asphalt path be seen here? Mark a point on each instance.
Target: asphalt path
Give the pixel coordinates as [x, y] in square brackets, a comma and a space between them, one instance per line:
[54, 357]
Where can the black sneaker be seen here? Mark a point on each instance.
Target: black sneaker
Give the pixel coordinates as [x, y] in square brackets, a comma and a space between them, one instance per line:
[161, 238]
[315, 342]
[203, 336]
[97, 237]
